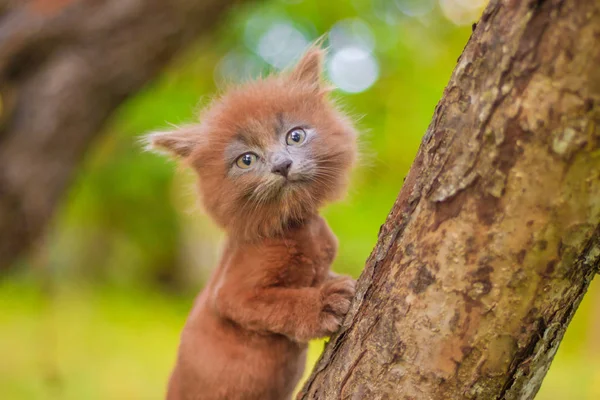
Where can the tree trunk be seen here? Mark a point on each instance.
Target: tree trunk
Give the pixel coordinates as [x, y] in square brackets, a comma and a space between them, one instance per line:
[65, 65]
[495, 235]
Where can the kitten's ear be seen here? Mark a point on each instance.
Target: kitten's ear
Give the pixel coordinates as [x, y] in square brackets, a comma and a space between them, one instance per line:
[178, 143]
[310, 67]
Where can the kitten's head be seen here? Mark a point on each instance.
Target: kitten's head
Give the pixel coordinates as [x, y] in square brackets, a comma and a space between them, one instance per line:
[269, 153]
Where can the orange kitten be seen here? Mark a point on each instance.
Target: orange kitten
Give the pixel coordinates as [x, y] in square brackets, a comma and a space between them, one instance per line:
[268, 155]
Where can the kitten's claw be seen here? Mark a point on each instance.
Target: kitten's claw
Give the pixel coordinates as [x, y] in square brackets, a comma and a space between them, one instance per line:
[336, 296]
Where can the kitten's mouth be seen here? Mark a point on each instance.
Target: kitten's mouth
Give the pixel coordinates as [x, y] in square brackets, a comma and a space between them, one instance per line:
[280, 187]
[294, 180]
[290, 184]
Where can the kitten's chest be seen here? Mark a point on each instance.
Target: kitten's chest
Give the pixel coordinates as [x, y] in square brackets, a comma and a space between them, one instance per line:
[308, 265]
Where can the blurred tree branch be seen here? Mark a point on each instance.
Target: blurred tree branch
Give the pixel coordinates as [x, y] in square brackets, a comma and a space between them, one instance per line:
[65, 65]
[495, 236]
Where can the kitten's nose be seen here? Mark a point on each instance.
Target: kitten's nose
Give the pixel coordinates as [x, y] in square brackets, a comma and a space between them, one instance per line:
[282, 168]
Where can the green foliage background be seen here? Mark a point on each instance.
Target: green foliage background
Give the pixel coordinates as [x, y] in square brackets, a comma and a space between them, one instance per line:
[96, 312]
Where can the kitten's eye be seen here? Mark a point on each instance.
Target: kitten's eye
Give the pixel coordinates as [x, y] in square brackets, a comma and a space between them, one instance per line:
[295, 137]
[246, 160]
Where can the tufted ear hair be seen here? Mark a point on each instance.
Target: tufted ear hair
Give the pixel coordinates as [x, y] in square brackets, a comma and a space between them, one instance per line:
[179, 142]
[309, 68]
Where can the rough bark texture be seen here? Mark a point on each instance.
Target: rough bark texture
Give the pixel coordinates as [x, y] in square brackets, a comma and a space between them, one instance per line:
[65, 65]
[495, 236]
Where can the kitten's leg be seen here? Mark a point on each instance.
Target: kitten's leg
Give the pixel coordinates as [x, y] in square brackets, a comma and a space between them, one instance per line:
[301, 314]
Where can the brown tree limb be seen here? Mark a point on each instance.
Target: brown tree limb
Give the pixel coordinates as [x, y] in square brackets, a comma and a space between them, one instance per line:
[495, 235]
[65, 65]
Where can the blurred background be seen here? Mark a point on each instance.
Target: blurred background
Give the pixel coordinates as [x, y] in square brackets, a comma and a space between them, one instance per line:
[95, 308]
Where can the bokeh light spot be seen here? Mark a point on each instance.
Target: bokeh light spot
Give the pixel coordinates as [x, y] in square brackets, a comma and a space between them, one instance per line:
[353, 69]
[237, 66]
[386, 11]
[351, 32]
[462, 12]
[281, 44]
[415, 8]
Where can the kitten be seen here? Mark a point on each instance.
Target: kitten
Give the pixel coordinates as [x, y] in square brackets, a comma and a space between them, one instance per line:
[268, 155]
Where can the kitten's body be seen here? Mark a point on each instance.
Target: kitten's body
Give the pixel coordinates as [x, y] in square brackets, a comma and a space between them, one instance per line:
[268, 155]
[228, 348]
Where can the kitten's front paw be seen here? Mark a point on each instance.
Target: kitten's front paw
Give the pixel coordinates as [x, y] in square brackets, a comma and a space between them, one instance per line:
[336, 295]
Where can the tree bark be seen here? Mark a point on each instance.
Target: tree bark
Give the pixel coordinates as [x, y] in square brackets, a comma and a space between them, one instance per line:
[65, 65]
[495, 235]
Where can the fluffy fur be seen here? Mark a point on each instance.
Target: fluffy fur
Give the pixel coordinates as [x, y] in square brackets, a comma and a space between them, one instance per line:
[272, 292]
